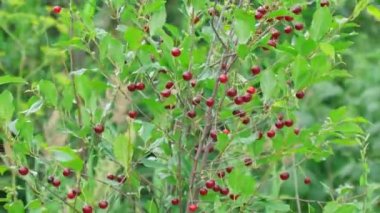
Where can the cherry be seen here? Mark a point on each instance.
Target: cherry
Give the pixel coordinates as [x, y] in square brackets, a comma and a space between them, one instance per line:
[224, 191]
[193, 82]
[234, 197]
[203, 191]
[132, 114]
[169, 85]
[226, 131]
[247, 97]
[300, 94]
[297, 131]
[272, 43]
[213, 135]
[224, 66]
[223, 78]
[191, 114]
[275, 34]
[216, 188]
[258, 15]
[71, 194]
[121, 179]
[103, 204]
[57, 9]
[111, 177]
[231, 92]
[288, 29]
[279, 124]
[288, 123]
[50, 179]
[67, 172]
[23, 170]
[280, 18]
[77, 191]
[262, 10]
[259, 135]
[251, 90]
[210, 184]
[298, 26]
[131, 87]
[289, 18]
[284, 175]
[87, 209]
[99, 129]
[166, 93]
[170, 106]
[193, 207]
[56, 182]
[187, 76]
[271, 133]
[247, 161]
[176, 52]
[140, 86]
[175, 201]
[325, 3]
[238, 112]
[307, 180]
[245, 120]
[229, 169]
[297, 9]
[239, 100]
[196, 100]
[221, 174]
[255, 70]
[210, 102]
[280, 117]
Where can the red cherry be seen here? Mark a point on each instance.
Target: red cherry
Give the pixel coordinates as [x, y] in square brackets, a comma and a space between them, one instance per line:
[169, 85]
[210, 102]
[245, 120]
[131, 87]
[288, 29]
[262, 9]
[57, 9]
[193, 82]
[259, 135]
[121, 179]
[132, 114]
[203, 191]
[255, 70]
[23, 170]
[271, 133]
[289, 18]
[71, 194]
[213, 135]
[224, 191]
[210, 184]
[223, 78]
[56, 182]
[187, 76]
[226, 131]
[175, 201]
[288, 123]
[247, 97]
[239, 100]
[140, 86]
[258, 15]
[247, 161]
[275, 34]
[284, 175]
[103, 204]
[279, 124]
[111, 177]
[166, 93]
[300, 94]
[176, 52]
[221, 174]
[99, 129]
[272, 43]
[50, 179]
[298, 26]
[77, 191]
[87, 209]
[251, 90]
[234, 197]
[193, 207]
[229, 169]
[297, 131]
[297, 9]
[196, 100]
[280, 18]
[307, 180]
[231, 92]
[325, 3]
[191, 114]
[216, 188]
[67, 172]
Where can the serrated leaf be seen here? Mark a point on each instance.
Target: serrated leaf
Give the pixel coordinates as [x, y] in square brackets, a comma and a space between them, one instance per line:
[322, 21]
[244, 25]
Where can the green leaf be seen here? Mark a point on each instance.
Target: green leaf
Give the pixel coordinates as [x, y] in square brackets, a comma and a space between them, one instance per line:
[241, 182]
[6, 106]
[338, 115]
[67, 157]
[242, 51]
[7, 79]
[222, 142]
[15, 207]
[267, 85]
[123, 148]
[328, 49]
[360, 6]
[153, 6]
[301, 72]
[277, 206]
[134, 36]
[244, 25]
[322, 21]
[374, 11]
[34, 108]
[157, 21]
[49, 92]
[34, 204]
[3, 169]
